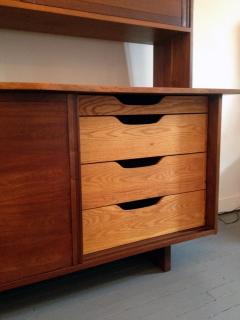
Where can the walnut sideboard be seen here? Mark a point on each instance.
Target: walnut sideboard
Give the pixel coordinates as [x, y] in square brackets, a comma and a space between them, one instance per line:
[91, 175]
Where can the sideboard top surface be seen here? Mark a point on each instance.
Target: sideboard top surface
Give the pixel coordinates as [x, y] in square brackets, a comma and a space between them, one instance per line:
[29, 86]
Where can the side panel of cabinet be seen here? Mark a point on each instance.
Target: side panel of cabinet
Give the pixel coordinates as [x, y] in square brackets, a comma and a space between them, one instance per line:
[35, 190]
[164, 11]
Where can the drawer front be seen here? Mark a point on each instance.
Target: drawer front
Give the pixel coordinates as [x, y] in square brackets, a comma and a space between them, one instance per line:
[125, 137]
[113, 226]
[115, 182]
[165, 11]
[90, 105]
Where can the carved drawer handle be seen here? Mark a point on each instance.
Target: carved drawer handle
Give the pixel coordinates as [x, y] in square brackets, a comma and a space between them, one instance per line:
[140, 119]
[138, 163]
[127, 206]
[139, 100]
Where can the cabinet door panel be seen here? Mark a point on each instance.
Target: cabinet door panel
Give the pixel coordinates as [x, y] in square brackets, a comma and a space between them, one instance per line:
[35, 221]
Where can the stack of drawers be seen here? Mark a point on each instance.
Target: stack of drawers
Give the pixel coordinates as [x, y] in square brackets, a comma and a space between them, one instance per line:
[143, 167]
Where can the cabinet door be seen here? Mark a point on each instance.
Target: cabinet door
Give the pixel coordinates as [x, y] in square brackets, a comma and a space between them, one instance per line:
[35, 219]
[174, 12]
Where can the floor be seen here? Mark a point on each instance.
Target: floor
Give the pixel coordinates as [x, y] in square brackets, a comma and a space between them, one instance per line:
[204, 284]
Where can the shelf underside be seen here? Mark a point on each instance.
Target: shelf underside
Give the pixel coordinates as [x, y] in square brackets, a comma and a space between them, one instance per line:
[37, 18]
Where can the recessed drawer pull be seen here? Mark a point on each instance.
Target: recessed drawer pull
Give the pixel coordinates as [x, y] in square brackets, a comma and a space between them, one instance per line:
[139, 204]
[138, 100]
[139, 119]
[138, 163]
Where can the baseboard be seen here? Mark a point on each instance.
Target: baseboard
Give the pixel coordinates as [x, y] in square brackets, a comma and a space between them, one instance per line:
[229, 203]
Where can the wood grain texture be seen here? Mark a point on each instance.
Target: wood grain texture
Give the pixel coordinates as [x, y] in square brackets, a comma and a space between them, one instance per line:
[109, 183]
[213, 160]
[20, 15]
[34, 255]
[111, 226]
[90, 105]
[35, 218]
[173, 62]
[91, 89]
[170, 12]
[106, 138]
[75, 173]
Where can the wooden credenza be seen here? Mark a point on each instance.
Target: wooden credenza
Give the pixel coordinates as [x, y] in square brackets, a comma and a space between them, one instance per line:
[90, 175]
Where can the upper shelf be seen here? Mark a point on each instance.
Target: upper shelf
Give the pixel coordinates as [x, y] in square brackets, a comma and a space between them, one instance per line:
[70, 18]
[7, 86]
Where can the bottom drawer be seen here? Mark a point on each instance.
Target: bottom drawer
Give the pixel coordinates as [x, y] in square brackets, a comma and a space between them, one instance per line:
[112, 226]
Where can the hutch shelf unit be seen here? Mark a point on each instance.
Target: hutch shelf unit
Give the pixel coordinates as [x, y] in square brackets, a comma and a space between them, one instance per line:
[93, 174]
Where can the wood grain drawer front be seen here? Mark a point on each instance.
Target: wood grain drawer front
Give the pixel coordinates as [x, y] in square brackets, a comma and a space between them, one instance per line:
[107, 138]
[112, 182]
[90, 105]
[112, 226]
[164, 11]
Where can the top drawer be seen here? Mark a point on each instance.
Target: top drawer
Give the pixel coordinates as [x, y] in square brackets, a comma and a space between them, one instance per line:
[174, 12]
[140, 104]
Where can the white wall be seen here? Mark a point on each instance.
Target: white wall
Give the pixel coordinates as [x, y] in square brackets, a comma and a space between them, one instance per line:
[216, 63]
[140, 64]
[49, 58]
[35, 57]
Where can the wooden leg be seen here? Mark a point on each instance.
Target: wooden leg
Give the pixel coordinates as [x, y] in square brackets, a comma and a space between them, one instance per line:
[162, 258]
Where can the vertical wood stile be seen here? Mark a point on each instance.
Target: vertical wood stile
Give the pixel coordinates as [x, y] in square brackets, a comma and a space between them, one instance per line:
[75, 178]
[213, 160]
